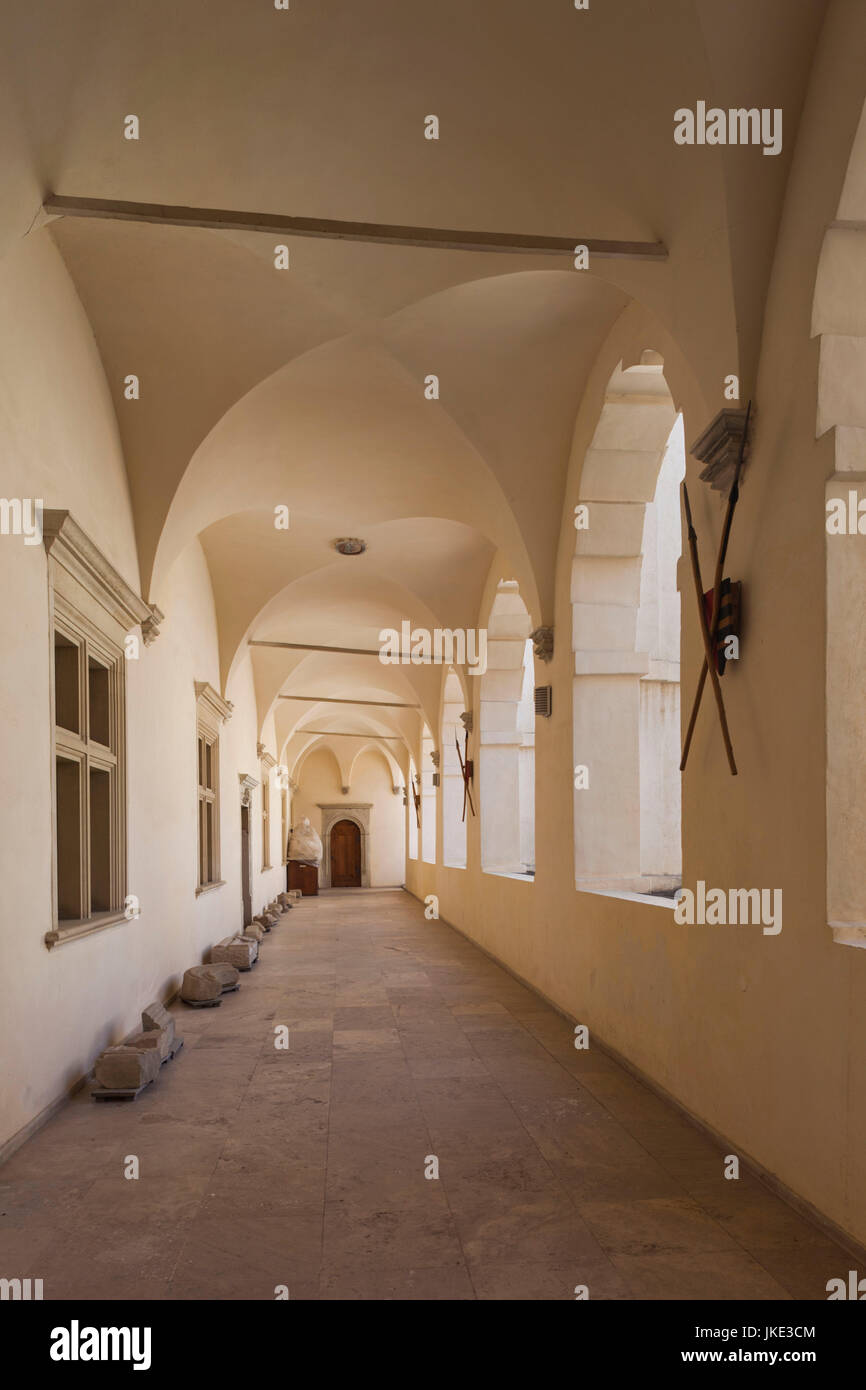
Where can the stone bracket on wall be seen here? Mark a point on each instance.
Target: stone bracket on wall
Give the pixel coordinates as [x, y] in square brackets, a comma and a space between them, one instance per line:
[542, 643]
[150, 626]
[265, 757]
[719, 448]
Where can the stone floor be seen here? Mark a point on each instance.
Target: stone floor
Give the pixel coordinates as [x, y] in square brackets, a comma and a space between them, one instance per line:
[305, 1167]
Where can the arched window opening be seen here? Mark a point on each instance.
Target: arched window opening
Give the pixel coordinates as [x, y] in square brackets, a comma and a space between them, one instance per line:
[453, 822]
[627, 817]
[838, 319]
[507, 751]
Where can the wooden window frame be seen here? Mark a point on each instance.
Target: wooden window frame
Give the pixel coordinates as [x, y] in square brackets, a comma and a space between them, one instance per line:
[93, 756]
[211, 711]
[92, 607]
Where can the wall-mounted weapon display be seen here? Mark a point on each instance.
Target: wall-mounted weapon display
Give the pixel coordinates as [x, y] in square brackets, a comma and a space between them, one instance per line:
[467, 768]
[718, 611]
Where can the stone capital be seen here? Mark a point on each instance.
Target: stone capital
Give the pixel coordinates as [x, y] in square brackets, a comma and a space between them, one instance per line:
[247, 783]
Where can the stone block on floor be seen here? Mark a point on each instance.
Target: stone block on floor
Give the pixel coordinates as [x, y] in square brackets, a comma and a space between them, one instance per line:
[126, 1068]
[236, 951]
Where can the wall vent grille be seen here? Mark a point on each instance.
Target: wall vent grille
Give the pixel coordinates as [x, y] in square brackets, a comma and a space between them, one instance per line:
[544, 700]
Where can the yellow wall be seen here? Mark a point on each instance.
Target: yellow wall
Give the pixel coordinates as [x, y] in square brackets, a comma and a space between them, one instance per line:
[320, 781]
[761, 1037]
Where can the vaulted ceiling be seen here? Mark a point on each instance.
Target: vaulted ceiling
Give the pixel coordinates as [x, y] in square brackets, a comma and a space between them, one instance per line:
[304, 387]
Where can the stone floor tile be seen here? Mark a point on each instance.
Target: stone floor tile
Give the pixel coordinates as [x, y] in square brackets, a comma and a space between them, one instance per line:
[305, 1168]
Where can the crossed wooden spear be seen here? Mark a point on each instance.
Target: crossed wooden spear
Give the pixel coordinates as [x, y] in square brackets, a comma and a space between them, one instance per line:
[466, 769]
[709, 630]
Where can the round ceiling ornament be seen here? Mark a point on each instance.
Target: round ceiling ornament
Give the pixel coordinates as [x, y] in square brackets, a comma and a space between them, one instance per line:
[350, 545]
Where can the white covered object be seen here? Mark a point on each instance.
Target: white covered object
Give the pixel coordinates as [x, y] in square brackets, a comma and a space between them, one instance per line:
[305, 844]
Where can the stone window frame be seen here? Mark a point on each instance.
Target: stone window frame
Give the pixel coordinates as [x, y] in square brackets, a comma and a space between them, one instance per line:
[211, 712]
[284, 786]
[93, 608]
[266, 762]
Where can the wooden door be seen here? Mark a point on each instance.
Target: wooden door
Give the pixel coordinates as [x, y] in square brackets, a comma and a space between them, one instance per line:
[345, 855]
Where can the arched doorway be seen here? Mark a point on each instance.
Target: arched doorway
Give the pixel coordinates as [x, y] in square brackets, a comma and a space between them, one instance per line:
[345, 855]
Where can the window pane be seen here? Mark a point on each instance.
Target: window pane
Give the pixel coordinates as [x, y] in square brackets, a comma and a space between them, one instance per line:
[209, 841]
[209, 765]
[68, 810]
[100, 723]
[66, 702]
[100, 840]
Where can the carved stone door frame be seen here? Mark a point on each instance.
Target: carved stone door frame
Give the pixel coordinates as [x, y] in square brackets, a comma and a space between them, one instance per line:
[247, 784]
[359, 813]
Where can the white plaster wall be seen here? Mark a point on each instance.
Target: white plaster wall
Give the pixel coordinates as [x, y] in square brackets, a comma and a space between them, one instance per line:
[658, 634]
[660, 833]
[658, 622]
[371, 781]
[275, 857]
[59, 441]
[499, 781]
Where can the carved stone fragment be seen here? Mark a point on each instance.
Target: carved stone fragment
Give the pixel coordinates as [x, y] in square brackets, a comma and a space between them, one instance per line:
[226, 974]
[156, 1015]
[126, 1068]
[204, 982]
[156, 1040]
[236, 951]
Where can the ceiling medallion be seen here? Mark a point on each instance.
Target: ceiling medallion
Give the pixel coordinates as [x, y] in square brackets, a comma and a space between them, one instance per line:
[350, 545]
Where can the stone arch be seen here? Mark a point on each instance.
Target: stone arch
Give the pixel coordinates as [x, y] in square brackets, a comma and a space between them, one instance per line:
[626, 640]
[839, 321]
[317, 744]
[507, 738]
[372, 745]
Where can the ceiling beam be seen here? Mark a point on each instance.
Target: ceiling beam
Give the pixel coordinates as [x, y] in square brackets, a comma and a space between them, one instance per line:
[333, 700]
[339, 733]
[313, 647]
[435, 238]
